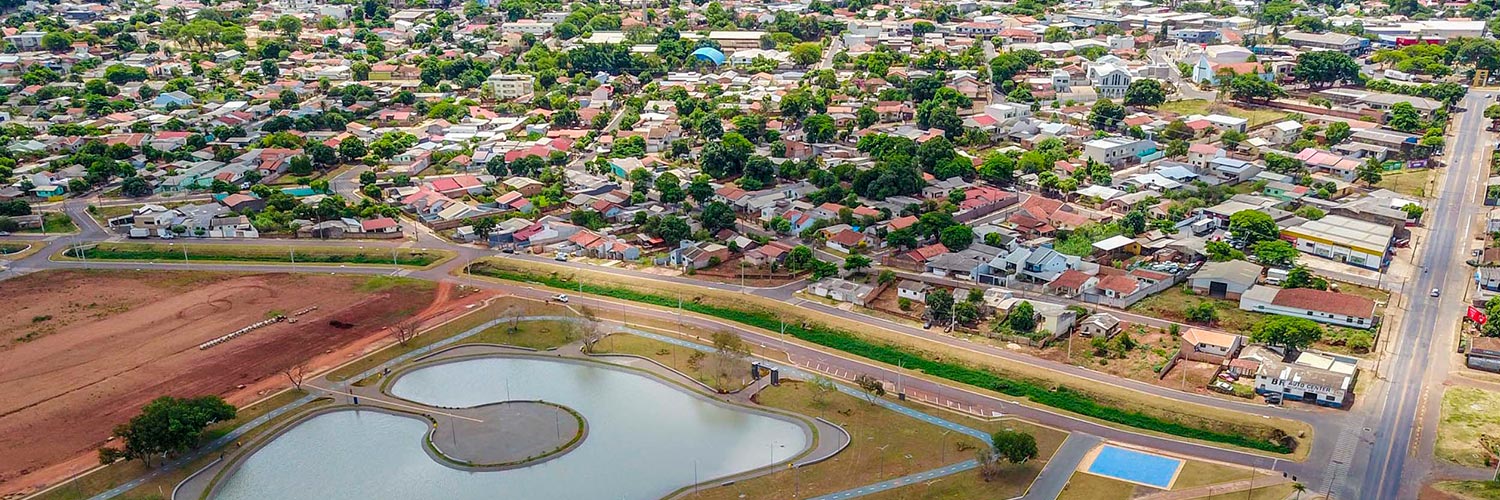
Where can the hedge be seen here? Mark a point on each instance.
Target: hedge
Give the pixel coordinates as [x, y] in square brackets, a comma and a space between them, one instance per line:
[1060, 397]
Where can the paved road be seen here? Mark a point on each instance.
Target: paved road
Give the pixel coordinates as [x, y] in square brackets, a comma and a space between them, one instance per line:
[1396, 449]
[1061, 466]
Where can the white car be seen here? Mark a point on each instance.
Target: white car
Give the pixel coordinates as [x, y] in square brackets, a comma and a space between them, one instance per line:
[1434, 292]
[560, 298]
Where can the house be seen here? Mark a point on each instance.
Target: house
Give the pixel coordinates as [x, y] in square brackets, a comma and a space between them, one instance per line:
[698, 255]
[1209, 346]
[1333, 308]
[176, 98]
[509, 86]
[1099, 325]
[913, 290]
[842, 290]
[1072, 283]
[1285, 132]
[1324, 379]
[1484, 354]
[846, 241]
[1225, 280]
[1116, 151]
[1488, 277]
[380, 225]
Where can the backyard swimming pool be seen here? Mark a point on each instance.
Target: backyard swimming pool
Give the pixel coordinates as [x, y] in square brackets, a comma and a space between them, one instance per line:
[646, 438]
[1137, 467]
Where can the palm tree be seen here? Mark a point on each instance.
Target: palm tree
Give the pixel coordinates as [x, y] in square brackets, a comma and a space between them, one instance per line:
[1299, 488]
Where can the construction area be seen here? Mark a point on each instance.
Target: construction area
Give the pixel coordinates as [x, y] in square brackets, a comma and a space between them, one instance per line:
[87, 349]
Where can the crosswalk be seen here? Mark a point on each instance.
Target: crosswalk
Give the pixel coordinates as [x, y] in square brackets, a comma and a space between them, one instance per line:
[1343, 453]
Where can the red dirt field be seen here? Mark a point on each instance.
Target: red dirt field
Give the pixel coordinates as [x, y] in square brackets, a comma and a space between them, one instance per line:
[99, 345]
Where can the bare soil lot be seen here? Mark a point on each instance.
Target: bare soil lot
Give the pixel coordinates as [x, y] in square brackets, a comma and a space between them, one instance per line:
[87, 349]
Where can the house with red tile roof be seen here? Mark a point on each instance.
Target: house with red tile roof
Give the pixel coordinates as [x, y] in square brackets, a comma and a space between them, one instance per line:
[1323, 306]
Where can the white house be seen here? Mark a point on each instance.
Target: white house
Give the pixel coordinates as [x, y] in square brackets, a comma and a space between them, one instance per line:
[912, 289]
[1333, 308]
[1117, 150]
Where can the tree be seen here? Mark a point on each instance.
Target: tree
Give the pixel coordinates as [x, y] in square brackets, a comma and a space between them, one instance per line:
[1145, 92]
[296, 374]
[1250, 87]
[168, 425]
[1203, 312]
[1015, 447]
[1022, 318]
[135, 186]
[855, 262]
[1322, 68]
[352, 148]
[57, 41]
[1370, 172]
[807, 53]
[404, 331]
[1404, 117]
[1106, 115]
[821, 388]
[939, 304]
[1337, 132]
[872, 387]
[1301, 277]
[289, 25]
[1277, 253]
[1287, 331]
[717, 216]
[1252, 226]
[799, 258]
[957, 237]
[819, 128]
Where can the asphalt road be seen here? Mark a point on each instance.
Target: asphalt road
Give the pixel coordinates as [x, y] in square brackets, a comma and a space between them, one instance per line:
[1396, 447]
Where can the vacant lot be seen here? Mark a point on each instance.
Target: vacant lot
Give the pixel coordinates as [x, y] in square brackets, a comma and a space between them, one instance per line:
[1412, 182]
[88, 349]
[1468, 415]
[1202, 107]
[1466, 490]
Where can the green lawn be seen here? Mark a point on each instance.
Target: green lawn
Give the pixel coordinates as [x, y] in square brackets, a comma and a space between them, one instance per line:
[1203, 107]
[1085, 486]
[540, 335]
[410, 257]
[1171, 304]
[885, 445]
[701, 366]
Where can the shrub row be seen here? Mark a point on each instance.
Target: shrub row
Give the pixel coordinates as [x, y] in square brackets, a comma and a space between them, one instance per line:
[1059, 397]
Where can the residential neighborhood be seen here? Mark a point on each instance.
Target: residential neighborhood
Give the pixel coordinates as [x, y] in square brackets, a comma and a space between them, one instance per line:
[1125, 220]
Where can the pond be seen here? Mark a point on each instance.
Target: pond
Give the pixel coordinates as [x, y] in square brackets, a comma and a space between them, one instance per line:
[646, 439]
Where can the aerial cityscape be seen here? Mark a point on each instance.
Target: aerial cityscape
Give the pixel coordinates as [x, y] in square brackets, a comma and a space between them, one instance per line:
[763, 249]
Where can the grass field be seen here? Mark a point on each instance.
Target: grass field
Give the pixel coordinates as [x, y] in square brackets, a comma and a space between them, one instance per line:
[969, 485]
[539, 335]
[1468, 413]
[122, 472]
[12, 250]
[1194, 474]
[884, 445]
[1083, 486]
[677, 357]
[1203, 107]
[1410, 182]
[1101, 402]
[1475, 490]
[496, 309]
[152, 252]
[1170, 304]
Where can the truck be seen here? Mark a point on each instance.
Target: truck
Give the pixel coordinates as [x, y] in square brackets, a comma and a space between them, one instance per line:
[140, 232]
[1204, 226]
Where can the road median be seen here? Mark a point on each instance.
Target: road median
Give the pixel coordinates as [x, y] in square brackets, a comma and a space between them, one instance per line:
[257, 254]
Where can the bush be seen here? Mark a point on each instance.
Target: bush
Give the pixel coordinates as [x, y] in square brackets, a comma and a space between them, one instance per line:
[904, 303]
[1059, 397]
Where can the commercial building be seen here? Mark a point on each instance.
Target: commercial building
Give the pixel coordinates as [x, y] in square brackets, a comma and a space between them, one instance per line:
[1352, 241]
[1347, 44]
[1323, 379]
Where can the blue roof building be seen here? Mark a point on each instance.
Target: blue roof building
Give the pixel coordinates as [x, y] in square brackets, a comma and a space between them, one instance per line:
[709, 54]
